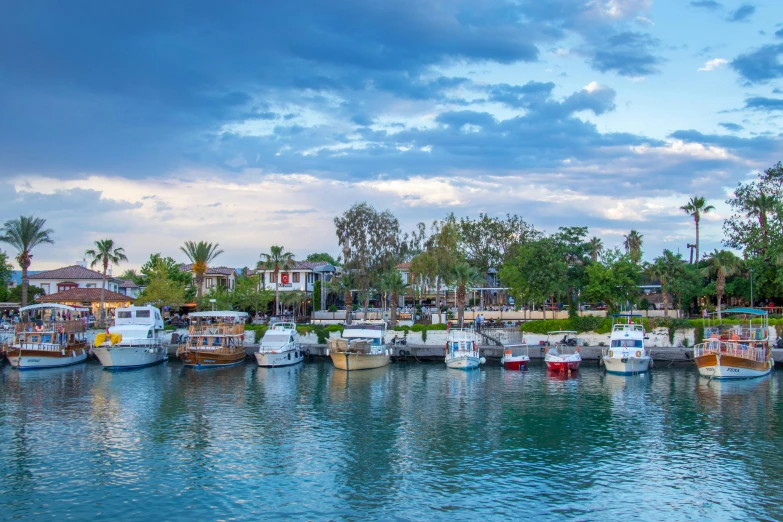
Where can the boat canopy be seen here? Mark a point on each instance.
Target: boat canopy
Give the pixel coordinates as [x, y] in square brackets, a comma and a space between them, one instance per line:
[627, 315]
[753, 311]
[219, 313]
[553, 332]
[43, 306]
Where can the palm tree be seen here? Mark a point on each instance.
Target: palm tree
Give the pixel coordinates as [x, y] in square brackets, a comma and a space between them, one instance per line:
[24, 234]
[200, 254]
[595, 246]
[131, 275]
[633, 245]
[760, 206]
[393, 283]
[696, 207]
[661, 270]
[275, 260]
[345, 285]
[295, 300]
[105, 253]
[463, 276]
[721, 265]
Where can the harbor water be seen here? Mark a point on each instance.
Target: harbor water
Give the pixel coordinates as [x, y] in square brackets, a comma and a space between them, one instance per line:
[408, 442]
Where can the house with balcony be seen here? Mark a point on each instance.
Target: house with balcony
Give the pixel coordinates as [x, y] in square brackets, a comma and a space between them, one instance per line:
[70, 277]
[301, 277]
[216, 276]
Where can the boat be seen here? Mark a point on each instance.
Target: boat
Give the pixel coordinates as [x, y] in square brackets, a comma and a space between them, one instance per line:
[563, 355]
[134, 341]
[738, 351]
[462, 350]
[45, 338]
[626, 353]
[515, 357]
[278, 348]
[361, 347]
[215, 340]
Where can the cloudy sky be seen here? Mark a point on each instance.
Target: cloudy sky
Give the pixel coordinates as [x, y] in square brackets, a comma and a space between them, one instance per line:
[255, 123]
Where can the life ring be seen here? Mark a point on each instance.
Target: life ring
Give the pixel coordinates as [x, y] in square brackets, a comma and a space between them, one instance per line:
[611, 354]
[638, 353]
[60, 329]
[578, 349]
[401, 352]
[39, 328]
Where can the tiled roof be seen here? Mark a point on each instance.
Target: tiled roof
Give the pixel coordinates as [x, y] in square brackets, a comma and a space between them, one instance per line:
[83, 295]
[69, 273]
[211, 270]
[125, 283]
[298, 265]
[404, 266]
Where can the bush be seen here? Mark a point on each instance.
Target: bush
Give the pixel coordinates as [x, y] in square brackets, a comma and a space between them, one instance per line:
[334, 328]
[332, 308]
[418, 327]
[439, 326]
[424, 335]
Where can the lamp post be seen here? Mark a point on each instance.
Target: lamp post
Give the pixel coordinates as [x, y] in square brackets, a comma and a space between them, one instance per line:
[213, 301]
[751, 288]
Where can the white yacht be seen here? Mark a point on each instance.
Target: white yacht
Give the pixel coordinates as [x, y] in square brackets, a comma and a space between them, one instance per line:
[278, 348]
[626, 354]
[134, 341]
[462, 351]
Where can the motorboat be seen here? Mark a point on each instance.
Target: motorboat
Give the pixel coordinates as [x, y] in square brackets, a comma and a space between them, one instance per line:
[134, 341]
[361, 347]
[737, 351]
[515, 357]
[627, 353]
[215, 339]
[563, 351]
[278, 347]
[462, 350]
[48, 336]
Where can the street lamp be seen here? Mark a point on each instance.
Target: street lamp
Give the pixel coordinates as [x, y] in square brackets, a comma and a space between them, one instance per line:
[751, 288]
[213, 301]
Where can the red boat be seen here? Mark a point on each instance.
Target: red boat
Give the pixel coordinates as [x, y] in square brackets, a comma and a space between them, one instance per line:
[518, 361]
[565, 355]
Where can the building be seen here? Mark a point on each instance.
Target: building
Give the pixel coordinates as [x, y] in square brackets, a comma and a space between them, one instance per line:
[89, 298]
[129, 288]
[221, 276]
[70, 277]
[301, 277]
[16, 277]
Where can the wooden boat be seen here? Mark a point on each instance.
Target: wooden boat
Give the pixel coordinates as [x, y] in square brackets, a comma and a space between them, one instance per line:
[627, 354]
[361, 347]
[215, 340]
[462, 350]
[278, 348]
[134, 341]
[735, 351]
[563, 355]
[515, 357]
[45, 339]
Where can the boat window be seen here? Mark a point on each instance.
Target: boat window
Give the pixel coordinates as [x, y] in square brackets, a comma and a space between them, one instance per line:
[149, 334]
[46, 338]
[123, 315]
[276, 338]
[216, 342]
[204, 341]
[142, 313]
[627, 343]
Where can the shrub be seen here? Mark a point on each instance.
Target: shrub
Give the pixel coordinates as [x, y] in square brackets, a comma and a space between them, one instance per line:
[418, 327]
[424, 335]
[332, 308]
[439, 326]
[334, 328]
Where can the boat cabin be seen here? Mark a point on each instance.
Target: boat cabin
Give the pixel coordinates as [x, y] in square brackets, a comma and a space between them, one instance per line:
[279, 335]
[373, 332]
[211, 331]
[47, 327]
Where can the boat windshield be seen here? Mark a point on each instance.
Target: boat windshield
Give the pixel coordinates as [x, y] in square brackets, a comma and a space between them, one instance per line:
[276, 338]
[627, 343]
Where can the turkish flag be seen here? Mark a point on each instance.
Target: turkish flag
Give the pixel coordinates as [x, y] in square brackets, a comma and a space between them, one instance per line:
[285, 279]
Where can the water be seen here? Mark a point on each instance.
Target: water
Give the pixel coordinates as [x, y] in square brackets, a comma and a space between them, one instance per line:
[407, 442]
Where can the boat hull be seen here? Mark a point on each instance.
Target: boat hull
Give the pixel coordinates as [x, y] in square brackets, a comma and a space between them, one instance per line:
[41, 359]
[464, 362]
[359, 361]
[129, 357]
[562, 366]
[515, 363]
[274, 360]
[210, 359]
[627, 365]
[725, 367]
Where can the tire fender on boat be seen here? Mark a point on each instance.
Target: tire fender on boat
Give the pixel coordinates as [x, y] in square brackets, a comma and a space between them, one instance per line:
[638, 353]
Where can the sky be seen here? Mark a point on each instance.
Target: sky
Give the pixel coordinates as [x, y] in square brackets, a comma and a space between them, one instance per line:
[252, 124]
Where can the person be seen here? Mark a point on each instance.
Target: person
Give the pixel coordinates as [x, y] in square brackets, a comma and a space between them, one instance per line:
[477, 321]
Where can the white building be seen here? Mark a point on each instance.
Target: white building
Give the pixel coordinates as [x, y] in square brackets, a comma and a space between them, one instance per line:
[215, 276]
[301, 277]
[70, 277]
[129, 288]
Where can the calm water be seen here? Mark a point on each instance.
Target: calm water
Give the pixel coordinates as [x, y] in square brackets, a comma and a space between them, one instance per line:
[406, 442]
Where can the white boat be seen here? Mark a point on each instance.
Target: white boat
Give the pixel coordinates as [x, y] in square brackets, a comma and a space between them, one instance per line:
[627, 354]
[278, 348]
[134, 341]
[46, 338]
[362, 347]
[462, 350]
[563, 355]
[515, 357]
[738, 351]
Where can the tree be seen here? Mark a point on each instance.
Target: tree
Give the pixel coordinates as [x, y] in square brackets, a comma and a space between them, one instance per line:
[423, 271]
[277, 259]
[132, 275]
[294, 300]
[695, 207]
[721, 265]
[323, 256]
[488, 240]
[464, 276]
[345, 285]
[249, 296]
[105, 253]
[6, 269]
[160, 289]
[443, 245]
[371, 243]
[317, 296]
[393, 283]
[614, 280]
[595, 246]
[221, 295]
[644, 304]
[200, 254]
[33, 292]
[24, 234]
[667, 268]
[633, 245]
[183, 278]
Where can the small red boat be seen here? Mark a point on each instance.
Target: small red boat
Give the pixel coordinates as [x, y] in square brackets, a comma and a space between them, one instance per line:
[518, 361]
[565, 355]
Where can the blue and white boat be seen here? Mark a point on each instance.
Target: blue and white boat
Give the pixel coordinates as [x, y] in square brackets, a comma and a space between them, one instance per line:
[462, 350]
[627, 354]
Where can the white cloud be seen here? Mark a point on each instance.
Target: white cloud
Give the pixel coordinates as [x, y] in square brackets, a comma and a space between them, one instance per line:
[711, 65]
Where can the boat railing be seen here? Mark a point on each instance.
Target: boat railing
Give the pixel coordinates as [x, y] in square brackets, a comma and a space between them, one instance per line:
[736, 333]
[41, 347]
[134, 343]
[216, 329]
[515, 350]
[278, 349]
[733, 348]
[35, 327]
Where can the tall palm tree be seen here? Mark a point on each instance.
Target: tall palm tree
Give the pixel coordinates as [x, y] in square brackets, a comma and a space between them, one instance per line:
[393, 283]
[661, 269]
[595, 246]
[345, 285]
[24, 234]
[760, 207]
[695, 207]
[295, 300]
[633, 245]
[105, 253]
[463, 276]
[200, 254]
[721, 265]
[275, 260]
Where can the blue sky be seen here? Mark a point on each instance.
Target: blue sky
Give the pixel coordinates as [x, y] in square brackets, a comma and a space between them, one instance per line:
[252, 124]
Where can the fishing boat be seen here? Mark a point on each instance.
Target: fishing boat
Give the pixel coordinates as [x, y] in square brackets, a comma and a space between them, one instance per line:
[215, 340]
[738, 351]
[626, 354]
[462, 350]
[361, 347]
[134, 341]
[46, 338]
[515, 357]
[278, 348]
[563, 354]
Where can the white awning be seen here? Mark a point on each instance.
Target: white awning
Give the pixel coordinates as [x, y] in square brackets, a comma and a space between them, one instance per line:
[52, 305]
[218, 313]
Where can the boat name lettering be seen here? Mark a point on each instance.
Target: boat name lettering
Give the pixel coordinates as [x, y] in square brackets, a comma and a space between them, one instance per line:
[732, 370]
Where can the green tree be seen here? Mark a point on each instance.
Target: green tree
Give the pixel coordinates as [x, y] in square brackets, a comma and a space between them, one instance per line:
[6, 270]
[249, 296]
[443, 245]
[487, 240]
[614, 280]
[200, 254]
[182, 278]
[345, 285]
[317, 296]
[104, 254]
[667, 268]
[132, 275]
[423, 272]
[324, 257]
[633, 245]
[277, 259]
[294, 300]
[220, 294]
[695, 207]
[464, 277]
[595, 246]
[24, 234]
[721, 265]
[33, 292]
[160, 289]
[393, 283]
